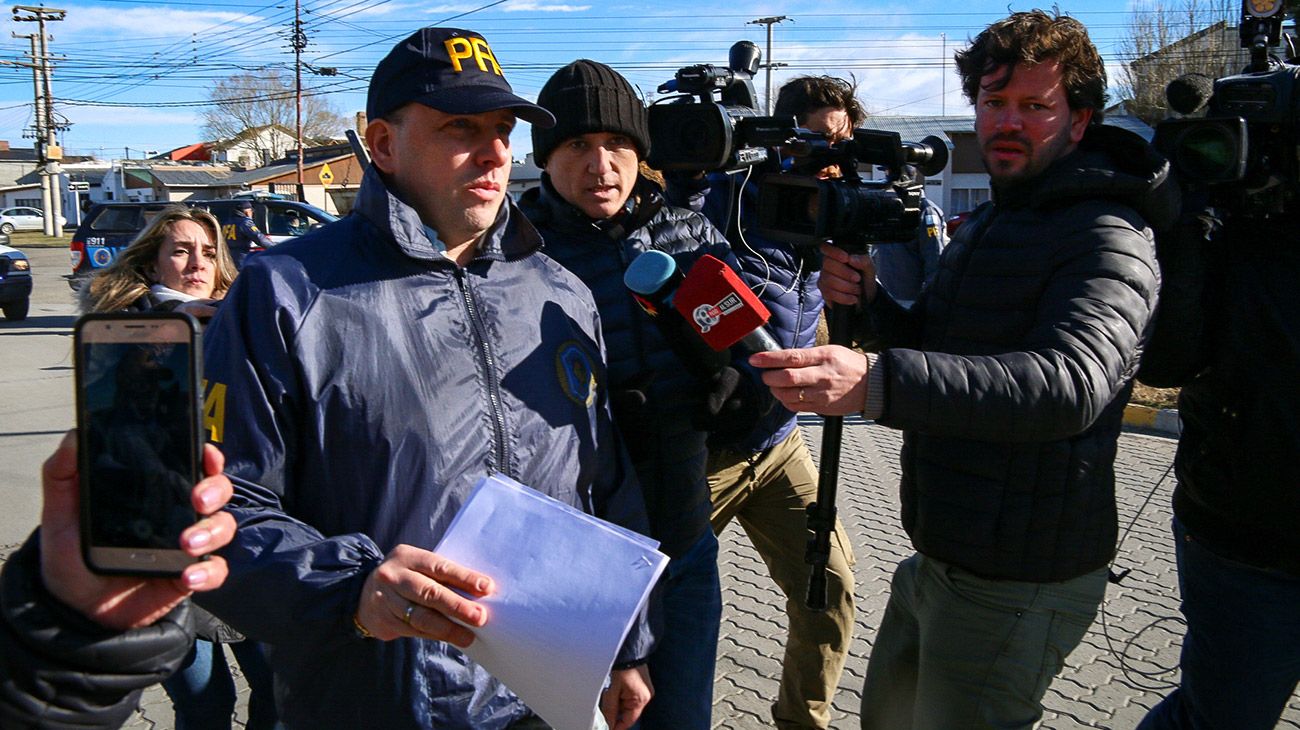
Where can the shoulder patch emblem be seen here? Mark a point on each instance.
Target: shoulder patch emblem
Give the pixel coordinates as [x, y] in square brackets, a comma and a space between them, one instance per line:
[576, 373]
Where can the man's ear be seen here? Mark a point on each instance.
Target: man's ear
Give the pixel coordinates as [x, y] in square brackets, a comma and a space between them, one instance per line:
[380, 138]
[1079, 121]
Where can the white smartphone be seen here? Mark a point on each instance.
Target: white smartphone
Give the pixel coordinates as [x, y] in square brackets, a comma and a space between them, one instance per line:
[139, 441]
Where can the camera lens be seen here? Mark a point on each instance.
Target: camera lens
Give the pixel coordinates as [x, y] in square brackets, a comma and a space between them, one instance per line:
[1209, 152]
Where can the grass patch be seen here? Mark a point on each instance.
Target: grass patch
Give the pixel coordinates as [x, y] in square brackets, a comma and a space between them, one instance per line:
[1145, 395]
[37, 239]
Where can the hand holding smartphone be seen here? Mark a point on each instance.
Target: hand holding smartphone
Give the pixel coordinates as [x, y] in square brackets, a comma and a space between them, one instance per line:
[139, 439]
[123, 602]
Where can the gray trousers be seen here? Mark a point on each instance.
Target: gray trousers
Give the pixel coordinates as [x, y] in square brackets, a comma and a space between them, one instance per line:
[957, 651]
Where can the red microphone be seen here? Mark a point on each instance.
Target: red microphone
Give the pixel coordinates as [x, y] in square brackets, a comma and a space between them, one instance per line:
[717, 305]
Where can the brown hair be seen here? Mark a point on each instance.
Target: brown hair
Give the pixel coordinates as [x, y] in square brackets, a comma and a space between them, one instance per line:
[1034, 37]
[806, 94]
[128, 278]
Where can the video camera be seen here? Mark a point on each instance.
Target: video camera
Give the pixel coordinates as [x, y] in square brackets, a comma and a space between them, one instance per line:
[694, 132]
[804, 210]
[1243, 152]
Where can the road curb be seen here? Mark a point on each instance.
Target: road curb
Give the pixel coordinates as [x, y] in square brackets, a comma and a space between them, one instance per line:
[1160, 420]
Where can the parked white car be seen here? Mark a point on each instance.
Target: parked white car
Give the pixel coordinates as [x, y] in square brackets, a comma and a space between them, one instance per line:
[23, 218]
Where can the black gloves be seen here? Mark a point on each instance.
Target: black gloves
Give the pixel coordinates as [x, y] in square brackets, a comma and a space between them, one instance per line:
[733, 404]
[628, 402]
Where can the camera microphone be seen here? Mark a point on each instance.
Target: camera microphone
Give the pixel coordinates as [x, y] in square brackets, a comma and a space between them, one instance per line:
[1189, 93]
[710, 298]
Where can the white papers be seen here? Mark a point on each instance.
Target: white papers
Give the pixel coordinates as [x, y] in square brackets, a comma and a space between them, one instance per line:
[568, 587]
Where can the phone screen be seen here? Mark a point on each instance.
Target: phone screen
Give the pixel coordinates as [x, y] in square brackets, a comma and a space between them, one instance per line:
[138, 430]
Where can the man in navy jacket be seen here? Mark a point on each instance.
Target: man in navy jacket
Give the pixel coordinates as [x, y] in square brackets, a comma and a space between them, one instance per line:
[363, 378]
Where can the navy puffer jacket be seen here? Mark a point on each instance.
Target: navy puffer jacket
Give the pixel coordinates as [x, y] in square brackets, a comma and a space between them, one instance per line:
[668, 452]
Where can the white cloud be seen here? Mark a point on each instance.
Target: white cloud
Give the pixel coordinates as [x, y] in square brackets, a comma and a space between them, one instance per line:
[144, 118]
[149, 21]
[529, 6]
[385, 10]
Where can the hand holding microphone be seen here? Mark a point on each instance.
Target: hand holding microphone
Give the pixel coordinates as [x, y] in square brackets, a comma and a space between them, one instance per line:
[711, 298]
[709, 305]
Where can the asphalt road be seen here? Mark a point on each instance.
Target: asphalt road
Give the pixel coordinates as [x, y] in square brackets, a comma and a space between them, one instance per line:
[36, 396]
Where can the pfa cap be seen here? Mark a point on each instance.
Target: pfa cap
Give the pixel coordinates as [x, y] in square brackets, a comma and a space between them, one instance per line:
[244, 205]
[448, 69]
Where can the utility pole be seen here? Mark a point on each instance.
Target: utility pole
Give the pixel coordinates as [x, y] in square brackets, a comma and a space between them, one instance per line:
[943, 75]
[38, 139]
[48, 152]
[769, 22]
[299, 43]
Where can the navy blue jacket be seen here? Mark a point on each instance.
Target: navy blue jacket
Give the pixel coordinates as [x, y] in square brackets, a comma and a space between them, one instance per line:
[360, 383]
[668, 451]
[242, 234]
[904, 269]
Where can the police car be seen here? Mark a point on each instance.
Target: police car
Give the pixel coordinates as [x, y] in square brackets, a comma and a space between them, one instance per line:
[15, 281]
[110, 227]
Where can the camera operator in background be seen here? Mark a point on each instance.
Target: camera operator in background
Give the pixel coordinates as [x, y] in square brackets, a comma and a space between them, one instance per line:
[1228, 332]
[77, 649]
[766, 478]
[1008, 378]
[596, 214]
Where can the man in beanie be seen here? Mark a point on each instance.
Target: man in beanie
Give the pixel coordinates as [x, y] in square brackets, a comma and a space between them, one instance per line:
[362, 379]
[596, 214]
[242, 233]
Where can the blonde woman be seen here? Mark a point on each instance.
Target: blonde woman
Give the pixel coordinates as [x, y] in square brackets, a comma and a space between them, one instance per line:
[178, 262]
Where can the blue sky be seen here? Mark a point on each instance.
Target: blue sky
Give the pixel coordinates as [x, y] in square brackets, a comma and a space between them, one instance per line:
[135, 73]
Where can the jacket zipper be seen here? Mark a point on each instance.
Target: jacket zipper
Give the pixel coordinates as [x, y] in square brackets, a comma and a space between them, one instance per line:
[499, 453]
[798, 319]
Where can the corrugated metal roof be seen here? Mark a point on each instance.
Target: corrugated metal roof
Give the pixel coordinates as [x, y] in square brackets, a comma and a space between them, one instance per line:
[185, 176]
[913, 129]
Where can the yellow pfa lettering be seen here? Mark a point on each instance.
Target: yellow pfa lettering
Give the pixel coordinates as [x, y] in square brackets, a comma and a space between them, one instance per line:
[229, 230]
[214, 411]
[483, 53]
[459, 49]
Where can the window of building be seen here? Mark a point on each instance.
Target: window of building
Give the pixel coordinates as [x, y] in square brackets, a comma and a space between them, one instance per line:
[964, 199]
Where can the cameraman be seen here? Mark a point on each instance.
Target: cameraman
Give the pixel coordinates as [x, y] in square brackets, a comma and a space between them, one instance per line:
[1230, 336]
[766, 479]
[1009, 378]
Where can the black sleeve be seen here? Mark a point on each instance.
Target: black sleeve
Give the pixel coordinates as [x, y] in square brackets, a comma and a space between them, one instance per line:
[60, 670]
[1177, 349]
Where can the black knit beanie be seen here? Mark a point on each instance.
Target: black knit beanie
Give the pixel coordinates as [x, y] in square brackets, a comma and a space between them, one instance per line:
[587, 97]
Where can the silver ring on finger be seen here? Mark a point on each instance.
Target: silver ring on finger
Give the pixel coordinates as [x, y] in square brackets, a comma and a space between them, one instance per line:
[406, 615]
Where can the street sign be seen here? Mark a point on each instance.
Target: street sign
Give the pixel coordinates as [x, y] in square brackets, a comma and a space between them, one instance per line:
[78, 185]
[326, 174]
